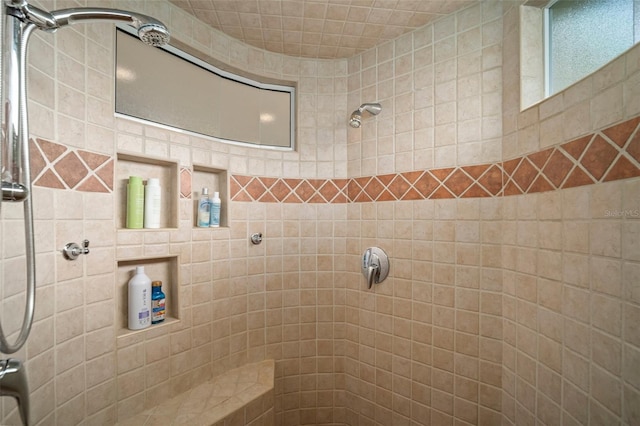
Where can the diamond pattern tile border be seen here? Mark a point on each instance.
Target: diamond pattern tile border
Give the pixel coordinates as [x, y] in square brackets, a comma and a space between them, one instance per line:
[607, 155]
[611, 154]
[56, 166]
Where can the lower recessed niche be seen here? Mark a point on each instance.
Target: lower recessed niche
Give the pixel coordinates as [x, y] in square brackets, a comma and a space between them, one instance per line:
[163, 269]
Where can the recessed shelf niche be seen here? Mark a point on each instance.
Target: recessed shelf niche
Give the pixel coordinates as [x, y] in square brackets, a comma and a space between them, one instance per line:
[216, 181]
[147, 167]
[163, 269]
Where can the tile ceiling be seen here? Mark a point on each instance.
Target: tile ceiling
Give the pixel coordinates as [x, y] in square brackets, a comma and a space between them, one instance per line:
[318, 28]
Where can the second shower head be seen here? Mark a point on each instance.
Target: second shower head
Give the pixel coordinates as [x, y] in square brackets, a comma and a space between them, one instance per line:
[355, 120]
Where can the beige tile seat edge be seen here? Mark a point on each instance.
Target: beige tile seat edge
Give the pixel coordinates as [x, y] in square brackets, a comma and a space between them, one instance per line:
[242, 396]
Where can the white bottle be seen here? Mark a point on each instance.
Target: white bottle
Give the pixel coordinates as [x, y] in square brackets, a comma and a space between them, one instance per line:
[204, 209]
[139, 300]
[152, 203]
[214, 221]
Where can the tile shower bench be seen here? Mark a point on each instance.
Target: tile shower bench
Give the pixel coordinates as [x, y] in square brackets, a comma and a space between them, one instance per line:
[242, 396]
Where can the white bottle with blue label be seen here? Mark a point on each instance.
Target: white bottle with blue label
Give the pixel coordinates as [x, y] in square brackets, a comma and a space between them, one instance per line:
[139, 300]
[215, 210]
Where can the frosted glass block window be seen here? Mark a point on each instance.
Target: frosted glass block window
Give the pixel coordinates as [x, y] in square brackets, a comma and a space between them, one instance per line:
[584, 35]
[170, 87]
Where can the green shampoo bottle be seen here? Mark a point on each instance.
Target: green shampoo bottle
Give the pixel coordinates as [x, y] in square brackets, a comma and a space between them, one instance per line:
[135, 203]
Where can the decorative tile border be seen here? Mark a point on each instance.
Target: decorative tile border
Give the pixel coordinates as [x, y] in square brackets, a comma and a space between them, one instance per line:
[56, 166]
[611, 154]
[272, 190]
[607, 155]
[473, 181]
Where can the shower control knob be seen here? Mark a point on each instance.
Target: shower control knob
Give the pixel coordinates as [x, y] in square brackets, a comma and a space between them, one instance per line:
[72, 251]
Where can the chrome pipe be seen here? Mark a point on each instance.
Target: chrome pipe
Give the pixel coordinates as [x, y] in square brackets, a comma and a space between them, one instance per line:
[70, 16]
[10, 157]
[17, 187]
[29, 13]
[371, 107]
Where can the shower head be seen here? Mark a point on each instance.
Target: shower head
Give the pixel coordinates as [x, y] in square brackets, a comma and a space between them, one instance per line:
[356, 119]
[153, 34]
[150, 30]
[356, 116]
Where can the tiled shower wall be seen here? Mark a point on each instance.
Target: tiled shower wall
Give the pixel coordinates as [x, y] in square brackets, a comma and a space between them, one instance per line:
[497, 308]
[239, 302]
[425, 347]
[510, 310]
[570, 258]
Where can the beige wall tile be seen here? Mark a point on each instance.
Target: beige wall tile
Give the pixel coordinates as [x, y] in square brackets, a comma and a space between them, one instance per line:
[565, 266]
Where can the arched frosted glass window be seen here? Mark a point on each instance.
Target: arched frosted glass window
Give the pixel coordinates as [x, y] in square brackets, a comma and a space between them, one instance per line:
[170, 87]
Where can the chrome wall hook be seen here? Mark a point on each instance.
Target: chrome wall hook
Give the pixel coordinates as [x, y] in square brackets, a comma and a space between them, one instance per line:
[72, 251]
[256, 238]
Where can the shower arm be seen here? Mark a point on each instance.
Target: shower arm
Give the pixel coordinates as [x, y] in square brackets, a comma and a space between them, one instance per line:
[51, 21]
[370, 107]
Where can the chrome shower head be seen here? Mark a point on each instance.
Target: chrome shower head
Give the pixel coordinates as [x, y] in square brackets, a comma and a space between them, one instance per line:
[356, 119]
[150, 30]
[356, 116]
[153, 34]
